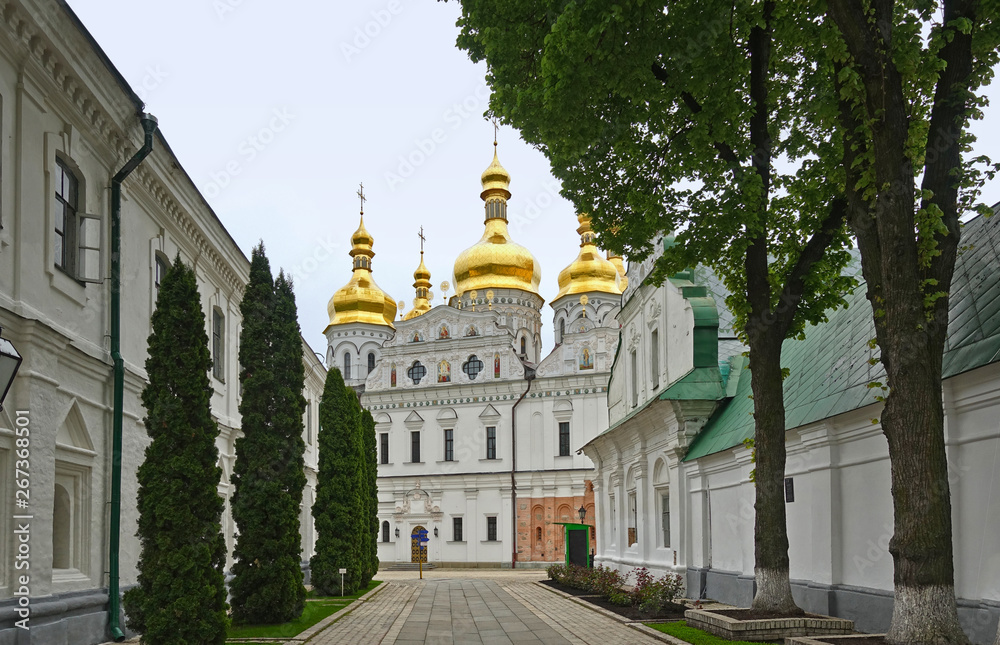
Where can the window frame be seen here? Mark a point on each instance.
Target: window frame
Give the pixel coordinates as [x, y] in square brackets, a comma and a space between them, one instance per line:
[218, 345]
[371, 362]
[492, 528]
[457, 532]
[564, 439]
[654, 358]
[347, 366]
[449, 444]
[383, 448]
[385, 531]
[491, 442]
[415, 447]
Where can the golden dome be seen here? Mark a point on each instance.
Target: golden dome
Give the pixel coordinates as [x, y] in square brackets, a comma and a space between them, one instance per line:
[422, 283]
[620, 265]
[589, 272]
[361, 300]
[495, 261]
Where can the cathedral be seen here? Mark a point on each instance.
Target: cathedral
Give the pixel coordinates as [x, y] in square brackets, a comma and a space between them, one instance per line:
[478, 435]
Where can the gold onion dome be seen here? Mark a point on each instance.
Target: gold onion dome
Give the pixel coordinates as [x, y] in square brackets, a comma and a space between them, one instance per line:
[620, 265]
[495, 261]
[361, 300]
[422, 283]
[590, 271]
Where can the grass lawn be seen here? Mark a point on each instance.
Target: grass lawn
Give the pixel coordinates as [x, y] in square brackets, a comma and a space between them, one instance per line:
[315, 611]
[374, 583]
[695, 636]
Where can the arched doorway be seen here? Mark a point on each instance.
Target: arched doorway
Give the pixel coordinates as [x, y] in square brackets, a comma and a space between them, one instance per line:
[418, 551]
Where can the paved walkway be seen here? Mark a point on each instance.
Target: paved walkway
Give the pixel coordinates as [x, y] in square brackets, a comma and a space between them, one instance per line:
[474, 608]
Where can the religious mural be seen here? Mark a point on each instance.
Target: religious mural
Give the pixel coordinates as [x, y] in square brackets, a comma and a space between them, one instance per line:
[444, 372]
[392, 376]
[496, 366]
[444, 333]
[586, 361]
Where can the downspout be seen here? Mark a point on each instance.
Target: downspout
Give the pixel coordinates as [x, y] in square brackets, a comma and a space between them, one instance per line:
[529, 376]
[149, 123]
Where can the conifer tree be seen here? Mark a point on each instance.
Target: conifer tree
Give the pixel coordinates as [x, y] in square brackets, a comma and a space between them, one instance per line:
[339, 510]
[181, 595]
[370, 537]
[267, 476]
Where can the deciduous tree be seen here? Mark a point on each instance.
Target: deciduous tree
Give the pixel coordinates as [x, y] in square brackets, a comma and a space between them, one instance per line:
[910, 76]
[696, 117]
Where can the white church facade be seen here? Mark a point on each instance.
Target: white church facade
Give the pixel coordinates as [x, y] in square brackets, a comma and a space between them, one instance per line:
[673, 475]
[477, 435]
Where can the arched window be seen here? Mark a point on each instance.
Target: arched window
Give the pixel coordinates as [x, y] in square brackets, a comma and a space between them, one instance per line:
[385, 531]
[562, 329]
[347, 366]
[523, 345]
[62, 529]
[371, 362]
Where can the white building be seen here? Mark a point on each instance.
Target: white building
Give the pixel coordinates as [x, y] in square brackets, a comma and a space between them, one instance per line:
[69, 121]
[478, 437]
[673, 474]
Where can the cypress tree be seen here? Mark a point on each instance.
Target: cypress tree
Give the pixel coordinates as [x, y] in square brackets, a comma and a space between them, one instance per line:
[181, 595]
[267, 476]
[339, 509]
[370, 537]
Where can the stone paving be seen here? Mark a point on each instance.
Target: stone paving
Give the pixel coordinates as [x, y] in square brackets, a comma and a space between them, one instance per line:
[461, 607]
[471, 607]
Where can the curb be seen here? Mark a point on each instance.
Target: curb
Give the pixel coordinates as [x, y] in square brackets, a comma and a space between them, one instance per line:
[310, 633]
[638, 626]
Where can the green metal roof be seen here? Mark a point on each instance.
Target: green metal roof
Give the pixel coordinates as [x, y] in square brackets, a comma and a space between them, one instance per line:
[830, 369]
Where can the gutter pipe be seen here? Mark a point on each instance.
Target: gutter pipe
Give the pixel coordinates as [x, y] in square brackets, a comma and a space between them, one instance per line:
[149, 124]
[529, 376]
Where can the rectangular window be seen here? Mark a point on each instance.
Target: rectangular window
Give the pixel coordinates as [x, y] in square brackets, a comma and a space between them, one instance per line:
[160, 273]
[218, 345]
[491, 442]
[67, 189]
[415, 447]
[654, 357]
[456, 529]
[384, 447]
[564, 438]
[449, 445]
[491, 528]
[309, 427]
[635, 380]
[665, 520]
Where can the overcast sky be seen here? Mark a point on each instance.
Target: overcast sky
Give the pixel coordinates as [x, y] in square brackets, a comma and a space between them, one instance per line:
[279, 110]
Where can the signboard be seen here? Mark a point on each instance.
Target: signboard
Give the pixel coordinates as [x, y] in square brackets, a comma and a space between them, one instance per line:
[343, 571]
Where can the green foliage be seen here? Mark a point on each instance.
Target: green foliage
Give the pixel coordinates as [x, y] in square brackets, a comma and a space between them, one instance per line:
[268, 474]
[341, 510]
[369, 539]
[751, 445]
[181, 595]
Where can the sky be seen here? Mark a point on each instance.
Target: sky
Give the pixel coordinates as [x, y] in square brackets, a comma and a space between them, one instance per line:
[279, 111]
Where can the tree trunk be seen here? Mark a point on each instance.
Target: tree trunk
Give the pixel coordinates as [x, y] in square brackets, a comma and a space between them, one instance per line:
[774, 591]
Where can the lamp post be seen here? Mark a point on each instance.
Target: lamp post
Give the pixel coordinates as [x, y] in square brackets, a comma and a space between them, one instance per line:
[583, 514]
[10, 362]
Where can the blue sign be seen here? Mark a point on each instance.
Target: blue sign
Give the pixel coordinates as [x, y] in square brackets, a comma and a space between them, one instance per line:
[424, 539]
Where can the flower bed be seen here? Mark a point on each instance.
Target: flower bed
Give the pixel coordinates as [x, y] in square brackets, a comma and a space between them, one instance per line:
[647, 594]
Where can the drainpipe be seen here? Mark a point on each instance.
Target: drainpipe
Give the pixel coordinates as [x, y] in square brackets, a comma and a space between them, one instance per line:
[529, 376]
[148, 122]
